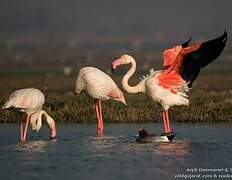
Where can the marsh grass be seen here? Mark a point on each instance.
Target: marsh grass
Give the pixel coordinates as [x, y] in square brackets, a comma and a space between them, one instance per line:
[210, 101]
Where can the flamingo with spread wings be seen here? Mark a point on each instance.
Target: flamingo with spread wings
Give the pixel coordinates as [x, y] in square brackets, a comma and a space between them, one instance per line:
[182, 65]
[99, 86]
[30, 101]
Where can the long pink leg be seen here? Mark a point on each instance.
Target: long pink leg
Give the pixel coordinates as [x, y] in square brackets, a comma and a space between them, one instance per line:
[164, 121]
[96, 109]
[101, 119]
[98, 116]
[22, 128]
[168, 122]
[26, 127]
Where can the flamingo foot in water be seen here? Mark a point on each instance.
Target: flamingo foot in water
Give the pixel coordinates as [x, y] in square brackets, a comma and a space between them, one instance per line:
[100, 131]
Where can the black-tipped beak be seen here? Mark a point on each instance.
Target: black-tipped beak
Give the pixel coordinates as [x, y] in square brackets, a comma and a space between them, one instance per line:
[112, 69]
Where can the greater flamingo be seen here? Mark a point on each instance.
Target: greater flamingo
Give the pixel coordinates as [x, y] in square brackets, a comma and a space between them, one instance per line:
[30, 101]
[100, 87]
[182, 65]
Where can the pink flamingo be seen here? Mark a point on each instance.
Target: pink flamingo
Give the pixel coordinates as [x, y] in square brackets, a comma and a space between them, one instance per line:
[182, 65]
[30, 101]
[100, 87]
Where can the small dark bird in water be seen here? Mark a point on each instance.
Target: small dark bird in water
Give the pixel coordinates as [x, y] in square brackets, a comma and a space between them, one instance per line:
[144, 137]
[143, 133]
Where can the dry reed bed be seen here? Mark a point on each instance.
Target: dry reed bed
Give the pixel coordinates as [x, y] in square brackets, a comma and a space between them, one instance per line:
[210, 101]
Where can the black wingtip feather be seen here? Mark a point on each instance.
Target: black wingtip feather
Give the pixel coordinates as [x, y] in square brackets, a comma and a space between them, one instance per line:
[225, 36]
[211, 49]
[208, 52]
[185, 44]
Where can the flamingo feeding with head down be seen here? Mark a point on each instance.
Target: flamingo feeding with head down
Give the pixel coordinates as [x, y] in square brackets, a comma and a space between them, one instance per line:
[100, 87]
[30, 101]
[182, 65]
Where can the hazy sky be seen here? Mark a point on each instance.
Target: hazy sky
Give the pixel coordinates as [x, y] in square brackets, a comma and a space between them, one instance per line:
[117, 17]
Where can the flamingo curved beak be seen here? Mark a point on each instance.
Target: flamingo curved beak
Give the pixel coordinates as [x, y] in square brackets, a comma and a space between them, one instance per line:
[112, 69]
[114, 65]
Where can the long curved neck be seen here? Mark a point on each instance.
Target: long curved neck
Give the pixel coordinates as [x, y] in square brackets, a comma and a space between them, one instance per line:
[49, 120]
[140, 87]
[36, 120]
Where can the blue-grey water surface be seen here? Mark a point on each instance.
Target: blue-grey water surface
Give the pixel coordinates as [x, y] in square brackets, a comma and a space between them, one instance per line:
[79, 154]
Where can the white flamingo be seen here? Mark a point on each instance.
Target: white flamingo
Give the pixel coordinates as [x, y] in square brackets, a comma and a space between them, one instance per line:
[30, 101]
[100, 87]
[182, 64]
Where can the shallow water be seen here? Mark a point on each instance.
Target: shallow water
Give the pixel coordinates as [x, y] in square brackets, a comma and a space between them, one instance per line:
[79, 154]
